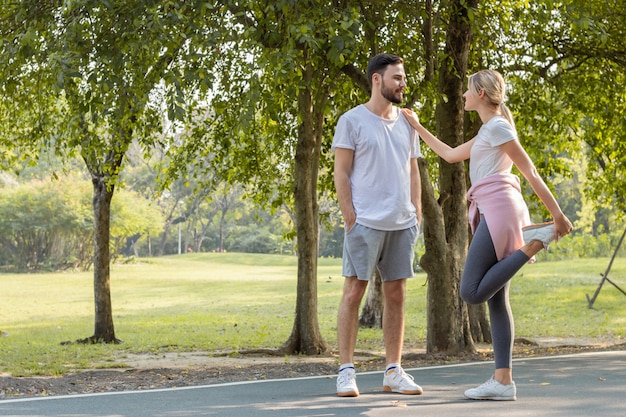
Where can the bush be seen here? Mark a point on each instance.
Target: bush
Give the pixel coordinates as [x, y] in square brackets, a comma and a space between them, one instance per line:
[581, 246]
[49, 224]
[253, 239]
[41, 226]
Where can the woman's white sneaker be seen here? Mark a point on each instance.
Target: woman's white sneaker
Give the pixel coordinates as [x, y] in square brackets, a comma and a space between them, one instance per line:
[493, 390]
[543, 232]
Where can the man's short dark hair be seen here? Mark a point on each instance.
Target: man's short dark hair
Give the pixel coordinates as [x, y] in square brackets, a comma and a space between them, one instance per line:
[379, 63]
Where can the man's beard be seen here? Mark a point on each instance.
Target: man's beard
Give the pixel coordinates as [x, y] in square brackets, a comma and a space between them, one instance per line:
[390, 94]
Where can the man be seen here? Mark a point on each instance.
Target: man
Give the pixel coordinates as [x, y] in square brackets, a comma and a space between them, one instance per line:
[378, 188]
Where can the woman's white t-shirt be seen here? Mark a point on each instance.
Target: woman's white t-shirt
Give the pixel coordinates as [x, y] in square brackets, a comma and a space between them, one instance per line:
[381, 171]
[486, 156]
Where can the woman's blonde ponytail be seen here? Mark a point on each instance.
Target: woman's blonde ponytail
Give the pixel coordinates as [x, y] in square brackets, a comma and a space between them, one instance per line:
[507, 114]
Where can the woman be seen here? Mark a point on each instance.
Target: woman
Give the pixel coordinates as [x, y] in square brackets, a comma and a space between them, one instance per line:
[501, 244]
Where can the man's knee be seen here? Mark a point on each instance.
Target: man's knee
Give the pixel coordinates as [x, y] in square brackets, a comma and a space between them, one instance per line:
[354, 290]
[394, 292]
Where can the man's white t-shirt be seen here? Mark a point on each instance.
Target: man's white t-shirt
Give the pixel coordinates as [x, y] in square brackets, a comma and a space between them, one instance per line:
[486, 156]
[381, 171]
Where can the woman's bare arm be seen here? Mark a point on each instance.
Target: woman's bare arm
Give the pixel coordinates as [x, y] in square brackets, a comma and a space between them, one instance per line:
[446, 152]
[522, 161]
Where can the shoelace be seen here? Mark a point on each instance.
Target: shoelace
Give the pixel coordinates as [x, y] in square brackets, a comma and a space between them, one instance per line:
[346, 376]
[402, 375]
[491, 381]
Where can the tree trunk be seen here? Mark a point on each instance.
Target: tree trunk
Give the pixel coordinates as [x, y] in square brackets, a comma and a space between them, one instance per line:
[445, 226]
[479, 323]
[164, 236]
[221, 231]
[373, 309]
[306, 337]
[102, 195]
[442, 262]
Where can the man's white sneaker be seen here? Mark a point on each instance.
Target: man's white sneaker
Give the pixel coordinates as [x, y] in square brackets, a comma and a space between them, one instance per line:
[543, 232]
[396, 380]
[346, 383]
[493, 390]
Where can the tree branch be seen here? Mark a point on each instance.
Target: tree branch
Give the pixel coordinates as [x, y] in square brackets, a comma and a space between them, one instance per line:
[357, 76]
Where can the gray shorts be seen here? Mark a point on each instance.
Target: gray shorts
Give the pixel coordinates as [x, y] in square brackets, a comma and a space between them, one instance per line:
[392, 252]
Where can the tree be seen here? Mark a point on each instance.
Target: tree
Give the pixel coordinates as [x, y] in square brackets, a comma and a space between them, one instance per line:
[287, 70]
[587, 71]
[91, 77]
[447, 244]
[563, 63]
[285, 43]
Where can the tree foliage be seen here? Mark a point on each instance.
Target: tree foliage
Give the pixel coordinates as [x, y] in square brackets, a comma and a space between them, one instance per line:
[287, 71]
[48, 224]
[250, 91]
[44, 225]
[566, 65]
[90, 77]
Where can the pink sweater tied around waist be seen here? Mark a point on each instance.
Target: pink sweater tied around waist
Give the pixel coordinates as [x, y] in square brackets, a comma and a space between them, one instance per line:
[500, 200]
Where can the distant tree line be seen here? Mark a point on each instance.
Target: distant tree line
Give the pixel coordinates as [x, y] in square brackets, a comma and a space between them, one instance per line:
[47, 224]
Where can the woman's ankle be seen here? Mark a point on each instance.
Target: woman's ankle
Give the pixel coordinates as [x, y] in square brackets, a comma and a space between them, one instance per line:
[532, 248]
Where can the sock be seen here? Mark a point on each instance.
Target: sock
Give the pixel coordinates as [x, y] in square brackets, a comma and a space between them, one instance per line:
[346, 365]
[392, 366]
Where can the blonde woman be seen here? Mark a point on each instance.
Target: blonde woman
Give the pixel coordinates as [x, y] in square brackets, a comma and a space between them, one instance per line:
[503, 238]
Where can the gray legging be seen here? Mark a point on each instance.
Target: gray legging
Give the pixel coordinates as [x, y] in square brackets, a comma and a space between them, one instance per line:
[486, 279]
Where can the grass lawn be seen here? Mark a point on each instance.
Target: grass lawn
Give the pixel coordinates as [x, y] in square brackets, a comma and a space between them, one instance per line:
[229, 302]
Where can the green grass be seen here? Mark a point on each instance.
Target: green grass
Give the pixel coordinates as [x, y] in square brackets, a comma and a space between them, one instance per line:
[231, 302]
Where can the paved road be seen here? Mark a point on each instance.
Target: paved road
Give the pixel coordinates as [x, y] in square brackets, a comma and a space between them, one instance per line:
[591, 384]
